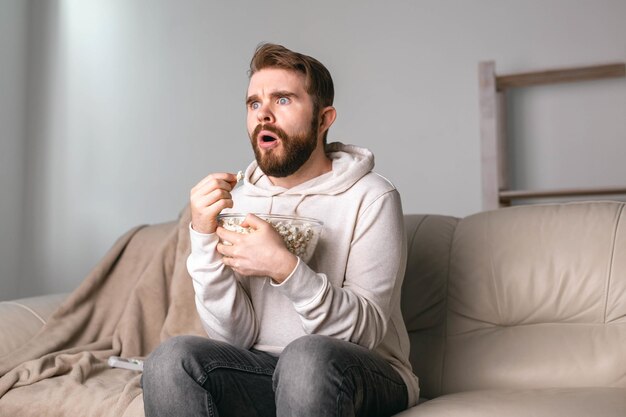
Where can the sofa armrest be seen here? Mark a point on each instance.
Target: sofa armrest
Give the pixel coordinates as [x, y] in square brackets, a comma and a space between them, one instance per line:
[21, 319]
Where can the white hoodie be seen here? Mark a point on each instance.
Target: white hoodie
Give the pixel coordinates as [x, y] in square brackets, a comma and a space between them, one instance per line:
[349, 290]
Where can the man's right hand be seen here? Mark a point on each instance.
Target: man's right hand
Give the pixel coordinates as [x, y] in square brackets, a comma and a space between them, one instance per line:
[208, 198]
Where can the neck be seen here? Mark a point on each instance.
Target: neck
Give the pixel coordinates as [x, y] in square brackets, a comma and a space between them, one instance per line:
[318, 164]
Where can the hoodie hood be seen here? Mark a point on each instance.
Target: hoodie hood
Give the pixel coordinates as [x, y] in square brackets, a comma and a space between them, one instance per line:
[349, 164]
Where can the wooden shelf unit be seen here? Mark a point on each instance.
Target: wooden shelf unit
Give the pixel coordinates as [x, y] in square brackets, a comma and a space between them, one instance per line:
[495, 181]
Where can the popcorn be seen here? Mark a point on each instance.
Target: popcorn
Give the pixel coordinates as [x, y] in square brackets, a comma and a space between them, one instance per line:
[296, 238]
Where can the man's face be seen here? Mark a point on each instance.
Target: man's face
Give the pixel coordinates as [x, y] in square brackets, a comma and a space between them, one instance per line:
[281, 126]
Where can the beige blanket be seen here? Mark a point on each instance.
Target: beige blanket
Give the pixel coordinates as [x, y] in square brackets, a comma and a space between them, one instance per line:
[137, 296]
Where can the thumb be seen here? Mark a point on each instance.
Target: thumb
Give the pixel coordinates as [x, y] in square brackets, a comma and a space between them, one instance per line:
[253, 221]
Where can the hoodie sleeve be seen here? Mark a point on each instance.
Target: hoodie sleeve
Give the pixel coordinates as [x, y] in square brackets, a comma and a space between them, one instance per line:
[360, 310]
[222, 302]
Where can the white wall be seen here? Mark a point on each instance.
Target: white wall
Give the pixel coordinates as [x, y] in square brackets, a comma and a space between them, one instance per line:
[13, 15]
[132, 102]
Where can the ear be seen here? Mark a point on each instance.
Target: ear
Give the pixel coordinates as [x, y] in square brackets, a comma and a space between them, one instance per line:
[327, 118]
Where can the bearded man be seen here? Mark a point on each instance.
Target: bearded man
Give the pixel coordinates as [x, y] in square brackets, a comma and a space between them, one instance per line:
[285, 337]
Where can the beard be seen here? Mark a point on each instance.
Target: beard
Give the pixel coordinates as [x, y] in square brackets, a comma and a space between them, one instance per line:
[297, 149]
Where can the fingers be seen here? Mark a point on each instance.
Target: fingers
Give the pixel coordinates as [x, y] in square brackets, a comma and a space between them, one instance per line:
[228, 262]
[221, 182]
[205, 208]
[228, 235]
[213, 197]
[226, 259]
[218, 177]
[225, 250]
[229, 253]
[254, 221]
[208, 198]
[209, 184]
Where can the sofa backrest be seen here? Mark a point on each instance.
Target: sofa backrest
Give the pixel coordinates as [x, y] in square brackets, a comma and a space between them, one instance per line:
[522, 297]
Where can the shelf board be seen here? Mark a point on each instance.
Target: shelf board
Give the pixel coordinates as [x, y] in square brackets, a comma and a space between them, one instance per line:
[566, 75]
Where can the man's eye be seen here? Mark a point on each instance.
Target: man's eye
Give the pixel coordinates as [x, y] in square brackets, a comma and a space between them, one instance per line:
[255, 105]
[283, 100]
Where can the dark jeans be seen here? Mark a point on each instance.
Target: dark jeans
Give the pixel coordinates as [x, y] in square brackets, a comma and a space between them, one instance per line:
[315, 376]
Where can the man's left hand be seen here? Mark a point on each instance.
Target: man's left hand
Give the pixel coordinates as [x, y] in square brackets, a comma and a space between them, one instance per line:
[259, 253]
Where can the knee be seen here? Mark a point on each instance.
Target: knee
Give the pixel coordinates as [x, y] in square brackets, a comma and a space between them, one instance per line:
[311, 351]
[310, 372]
[307, 361]
[168, 359]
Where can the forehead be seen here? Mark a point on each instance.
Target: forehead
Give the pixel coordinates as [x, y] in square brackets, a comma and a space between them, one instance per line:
[268, 80]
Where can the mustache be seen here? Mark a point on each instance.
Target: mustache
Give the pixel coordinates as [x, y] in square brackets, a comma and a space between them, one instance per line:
[270, 128]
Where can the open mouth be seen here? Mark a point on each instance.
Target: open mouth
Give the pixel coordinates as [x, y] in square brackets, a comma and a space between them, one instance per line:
[267, 139]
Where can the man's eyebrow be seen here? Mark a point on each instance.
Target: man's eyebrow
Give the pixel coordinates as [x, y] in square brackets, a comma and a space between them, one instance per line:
[283, 93]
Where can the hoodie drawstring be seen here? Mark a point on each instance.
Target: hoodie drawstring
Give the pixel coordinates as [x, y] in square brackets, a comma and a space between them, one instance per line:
[295, 209]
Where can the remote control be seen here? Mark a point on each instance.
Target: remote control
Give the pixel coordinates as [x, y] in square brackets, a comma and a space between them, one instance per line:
[125, 363]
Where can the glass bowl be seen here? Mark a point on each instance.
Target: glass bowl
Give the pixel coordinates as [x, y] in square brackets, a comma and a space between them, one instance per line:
[300, 234]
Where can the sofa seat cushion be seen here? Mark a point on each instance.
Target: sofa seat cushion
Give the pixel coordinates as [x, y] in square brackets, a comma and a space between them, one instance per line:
[571, 402]
[22, 318]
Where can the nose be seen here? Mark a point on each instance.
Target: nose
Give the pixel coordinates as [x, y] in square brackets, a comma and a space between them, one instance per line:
[265, 114]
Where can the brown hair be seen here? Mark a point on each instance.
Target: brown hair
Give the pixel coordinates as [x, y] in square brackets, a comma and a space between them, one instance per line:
[319, 83]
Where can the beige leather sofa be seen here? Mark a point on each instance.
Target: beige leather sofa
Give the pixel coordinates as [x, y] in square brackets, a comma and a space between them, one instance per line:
[514, 312]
